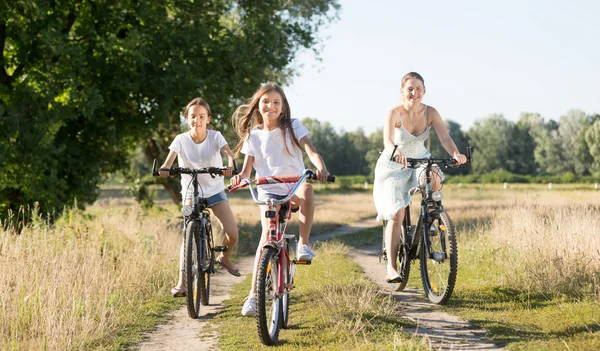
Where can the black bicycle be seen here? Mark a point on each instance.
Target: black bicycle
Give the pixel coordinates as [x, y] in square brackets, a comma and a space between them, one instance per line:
[199, 253]
[434, 231]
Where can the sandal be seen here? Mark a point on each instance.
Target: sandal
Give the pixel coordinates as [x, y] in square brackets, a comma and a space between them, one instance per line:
[234, 272]
[178, 292]
[395, 278]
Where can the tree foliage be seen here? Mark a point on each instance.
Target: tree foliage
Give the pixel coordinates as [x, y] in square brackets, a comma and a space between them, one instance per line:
[83, 82]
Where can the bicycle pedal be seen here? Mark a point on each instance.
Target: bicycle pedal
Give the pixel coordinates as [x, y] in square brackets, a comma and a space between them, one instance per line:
[220, 248]
[302, 262]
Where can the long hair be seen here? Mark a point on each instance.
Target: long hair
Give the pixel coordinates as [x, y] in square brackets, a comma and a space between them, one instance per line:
[248, 116]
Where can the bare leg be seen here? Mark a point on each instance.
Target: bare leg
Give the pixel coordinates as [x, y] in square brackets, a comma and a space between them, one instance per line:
[263, 237]
[392, 241]
[436, 179]
[305, 198]
[181, 280]
[222, 211]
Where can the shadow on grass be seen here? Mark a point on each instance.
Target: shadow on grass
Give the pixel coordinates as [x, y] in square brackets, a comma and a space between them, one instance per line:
[508, 321]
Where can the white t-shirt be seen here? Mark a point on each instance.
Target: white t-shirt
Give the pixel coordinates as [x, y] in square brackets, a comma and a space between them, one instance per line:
[193, 156]
[271, 157]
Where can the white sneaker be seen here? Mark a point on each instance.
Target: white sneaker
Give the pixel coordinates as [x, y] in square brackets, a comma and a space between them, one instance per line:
[249, 307]
[305, 253]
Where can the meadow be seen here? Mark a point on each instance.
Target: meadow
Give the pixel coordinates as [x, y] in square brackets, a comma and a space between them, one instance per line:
[529, 263]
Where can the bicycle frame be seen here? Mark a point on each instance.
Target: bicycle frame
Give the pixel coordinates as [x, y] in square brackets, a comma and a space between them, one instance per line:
[276, 238]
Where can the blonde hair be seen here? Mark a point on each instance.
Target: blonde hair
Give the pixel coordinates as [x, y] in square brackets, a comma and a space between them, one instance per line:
[248, 116]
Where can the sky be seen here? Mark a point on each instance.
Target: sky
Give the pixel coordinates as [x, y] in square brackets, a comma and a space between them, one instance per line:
[477, 58]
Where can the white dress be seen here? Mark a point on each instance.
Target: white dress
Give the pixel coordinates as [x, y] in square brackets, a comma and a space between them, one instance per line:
[392, 180]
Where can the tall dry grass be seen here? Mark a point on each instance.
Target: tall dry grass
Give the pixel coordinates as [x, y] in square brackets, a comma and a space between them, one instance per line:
[549, 243]
[77, 282]
[66, 285]
[331, 210]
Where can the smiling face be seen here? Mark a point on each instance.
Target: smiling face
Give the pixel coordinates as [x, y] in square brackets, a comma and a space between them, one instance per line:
[270, 105]
[198, 118]
[412, 90]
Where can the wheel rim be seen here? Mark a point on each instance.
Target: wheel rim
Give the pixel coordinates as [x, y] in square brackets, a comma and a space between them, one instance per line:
[286, 294]
[437, 263]
[273, 296]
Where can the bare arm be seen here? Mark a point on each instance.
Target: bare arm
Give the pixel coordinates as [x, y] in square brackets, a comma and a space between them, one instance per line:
[230, 159]
[315, 158]
[245, 173]
[167, 164]
[388, 130]
[391, 120]
[444, 136]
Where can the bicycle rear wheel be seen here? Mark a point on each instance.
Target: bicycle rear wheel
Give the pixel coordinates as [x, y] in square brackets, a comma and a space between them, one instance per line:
[206, 263]
[402, 259]
[192, 258]
[439, 258]
[268, 300]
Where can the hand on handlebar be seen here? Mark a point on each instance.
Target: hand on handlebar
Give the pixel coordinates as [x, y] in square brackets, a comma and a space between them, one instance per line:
[400, 158]
[460, 158]
[164, 171]
[237, 179]
[322, 175]
[227, 171]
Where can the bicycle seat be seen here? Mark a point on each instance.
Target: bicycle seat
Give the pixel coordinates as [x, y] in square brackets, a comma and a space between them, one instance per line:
[283, 210]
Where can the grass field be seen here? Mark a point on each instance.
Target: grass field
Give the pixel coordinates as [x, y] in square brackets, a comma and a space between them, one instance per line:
[96, 279]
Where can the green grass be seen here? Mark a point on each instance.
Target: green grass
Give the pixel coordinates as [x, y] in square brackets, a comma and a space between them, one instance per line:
[335, 308]
[515, 319]
[519, 319]
[136, 323]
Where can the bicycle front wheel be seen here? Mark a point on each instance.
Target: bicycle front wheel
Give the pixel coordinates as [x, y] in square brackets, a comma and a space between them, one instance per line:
[192, 264]
[288, 280]
[439, 258]
[268, 299]
[206, 263]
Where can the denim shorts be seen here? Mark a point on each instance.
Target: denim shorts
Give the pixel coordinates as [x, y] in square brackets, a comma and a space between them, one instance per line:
[211, 200]
[265, 196]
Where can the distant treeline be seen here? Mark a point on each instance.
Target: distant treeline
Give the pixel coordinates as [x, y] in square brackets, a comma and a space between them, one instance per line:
[531, 150]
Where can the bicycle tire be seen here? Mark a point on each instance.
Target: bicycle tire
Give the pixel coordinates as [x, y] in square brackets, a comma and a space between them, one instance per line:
[439, 258]
[268, 318]
[192, 278]
[402, 260]
[288, 269]
[206, 261]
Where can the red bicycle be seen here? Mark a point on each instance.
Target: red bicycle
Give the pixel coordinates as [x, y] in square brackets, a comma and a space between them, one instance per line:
[275, 271]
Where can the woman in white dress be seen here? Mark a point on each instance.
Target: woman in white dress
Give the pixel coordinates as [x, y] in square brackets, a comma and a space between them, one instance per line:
[407, 127]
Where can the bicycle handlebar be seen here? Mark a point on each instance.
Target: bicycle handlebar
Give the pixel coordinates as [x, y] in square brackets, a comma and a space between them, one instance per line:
[293, 178]
[183, 170]
[448, 162]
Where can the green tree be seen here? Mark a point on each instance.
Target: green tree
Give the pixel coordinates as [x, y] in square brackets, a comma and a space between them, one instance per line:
[460, 139]
[572, 130]
[592, 138]
[84, 82]
[493, 139]
[375, 147]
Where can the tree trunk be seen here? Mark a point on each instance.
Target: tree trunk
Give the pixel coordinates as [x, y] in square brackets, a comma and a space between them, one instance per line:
[172, 185]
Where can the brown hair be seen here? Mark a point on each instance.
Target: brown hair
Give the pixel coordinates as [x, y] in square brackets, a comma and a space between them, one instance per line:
[248, 116]
[410, 75]
[198, 101]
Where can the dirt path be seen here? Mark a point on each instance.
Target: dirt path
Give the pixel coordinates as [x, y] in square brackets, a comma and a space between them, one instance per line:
[445, 332]
[183, 333]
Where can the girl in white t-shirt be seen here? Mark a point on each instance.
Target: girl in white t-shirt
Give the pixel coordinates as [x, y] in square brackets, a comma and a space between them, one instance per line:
[273, 143]
[202, 147]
